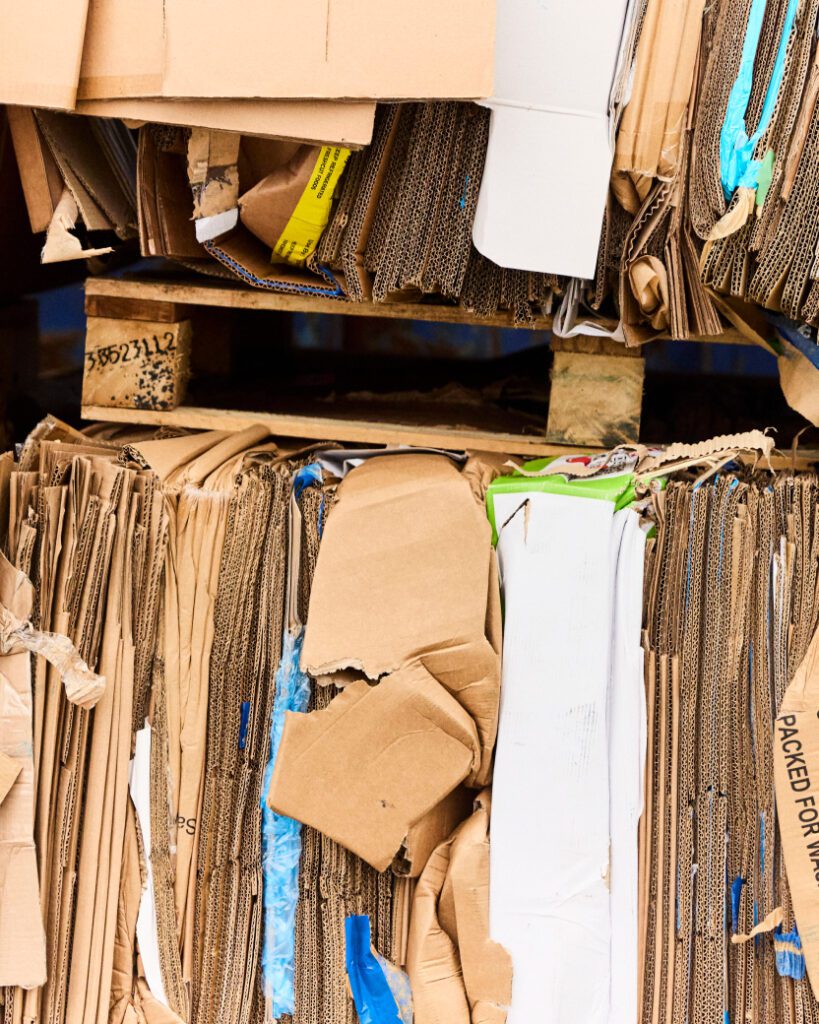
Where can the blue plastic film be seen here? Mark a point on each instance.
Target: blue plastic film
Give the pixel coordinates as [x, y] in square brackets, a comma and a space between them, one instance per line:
[736, 895]
[738, 169]
[281, 845]
[790, 960]
[381, 991]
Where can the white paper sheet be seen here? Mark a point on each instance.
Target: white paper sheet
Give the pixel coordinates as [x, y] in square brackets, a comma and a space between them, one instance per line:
[147, 935]
[549, 895]
[571, 748]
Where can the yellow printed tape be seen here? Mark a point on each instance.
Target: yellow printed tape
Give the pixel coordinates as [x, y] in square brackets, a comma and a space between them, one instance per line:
[309, 219]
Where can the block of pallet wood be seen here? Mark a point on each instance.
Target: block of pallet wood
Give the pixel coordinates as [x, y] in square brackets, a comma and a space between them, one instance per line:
[596, 397]
[136, 364]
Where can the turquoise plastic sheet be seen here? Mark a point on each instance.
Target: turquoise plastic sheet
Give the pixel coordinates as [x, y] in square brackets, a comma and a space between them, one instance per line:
[738, 169]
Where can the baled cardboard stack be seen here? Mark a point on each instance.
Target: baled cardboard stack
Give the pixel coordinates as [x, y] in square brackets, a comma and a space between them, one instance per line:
[183, 566]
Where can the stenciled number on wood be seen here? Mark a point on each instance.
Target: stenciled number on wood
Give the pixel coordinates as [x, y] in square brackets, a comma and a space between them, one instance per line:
[129, 351]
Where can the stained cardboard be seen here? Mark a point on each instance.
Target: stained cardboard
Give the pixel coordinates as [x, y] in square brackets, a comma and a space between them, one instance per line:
[796, 773]
[352, 770]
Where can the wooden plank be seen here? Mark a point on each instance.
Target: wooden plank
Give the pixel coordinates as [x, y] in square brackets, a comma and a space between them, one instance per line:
[136, 363]
[210, 293]
[595, 399]
[321, 428]
[235, 296]
[119, 307]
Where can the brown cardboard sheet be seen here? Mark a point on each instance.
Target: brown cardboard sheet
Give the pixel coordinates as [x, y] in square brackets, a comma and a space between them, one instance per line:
[351, 770]
[458, 974]
[347, 124]
[376, 49]
[39, 175]
[40, 51]
[796, 769]
[406, 571]
[22, 939]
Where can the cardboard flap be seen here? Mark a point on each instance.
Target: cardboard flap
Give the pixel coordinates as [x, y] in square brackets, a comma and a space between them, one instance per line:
[250, 261]
[796, 775]
[374, 762]
[402, 568]
[431, 830]
[10, 768]
[16, 590]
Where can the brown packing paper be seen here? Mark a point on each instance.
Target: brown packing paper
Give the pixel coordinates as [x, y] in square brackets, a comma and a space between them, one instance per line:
[799, 379]
[796, 772]
[266, 208]
[361, 756]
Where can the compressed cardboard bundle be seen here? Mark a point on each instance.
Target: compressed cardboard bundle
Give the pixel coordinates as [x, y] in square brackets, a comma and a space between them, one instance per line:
[730, 612]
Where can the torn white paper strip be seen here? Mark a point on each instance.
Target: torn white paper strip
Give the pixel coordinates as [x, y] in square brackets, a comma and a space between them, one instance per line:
[147, 933]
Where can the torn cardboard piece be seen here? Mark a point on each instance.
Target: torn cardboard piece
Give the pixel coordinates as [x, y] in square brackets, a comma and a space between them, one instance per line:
[458, 974]
[374, 762]
[60, 244]
[796, 775]
[799, 379]
[425, 834]
[406, 571]
[213, 173]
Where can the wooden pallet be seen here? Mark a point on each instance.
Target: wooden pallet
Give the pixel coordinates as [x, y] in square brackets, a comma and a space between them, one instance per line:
[140, 341]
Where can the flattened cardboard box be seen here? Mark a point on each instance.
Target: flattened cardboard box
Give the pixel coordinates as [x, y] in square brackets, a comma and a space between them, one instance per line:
[347, 49]
[40, 51]
[796, 774]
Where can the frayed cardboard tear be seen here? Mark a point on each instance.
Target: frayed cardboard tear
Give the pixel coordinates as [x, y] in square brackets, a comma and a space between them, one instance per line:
[82, 686]
[213, 173]
[750, 441]
[60, 245]
[773, 920]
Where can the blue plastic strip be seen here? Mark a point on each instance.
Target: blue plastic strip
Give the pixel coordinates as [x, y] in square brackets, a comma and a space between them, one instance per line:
[372, 995]
[790, 960]
[306, 477]
[244, 719]
[736, 150]
[802, 337]
[736, 895]
[281, 845]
